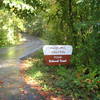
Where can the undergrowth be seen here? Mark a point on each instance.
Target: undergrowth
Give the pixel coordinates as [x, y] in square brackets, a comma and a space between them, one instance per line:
[80, 82]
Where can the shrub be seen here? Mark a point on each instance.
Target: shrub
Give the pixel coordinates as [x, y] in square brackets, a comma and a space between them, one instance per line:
[10, 27]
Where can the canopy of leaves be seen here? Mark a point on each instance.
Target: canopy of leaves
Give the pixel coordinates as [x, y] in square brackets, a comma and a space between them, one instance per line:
[74, 22]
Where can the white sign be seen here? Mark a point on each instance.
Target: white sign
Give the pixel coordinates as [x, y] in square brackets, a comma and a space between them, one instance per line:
[57, 50]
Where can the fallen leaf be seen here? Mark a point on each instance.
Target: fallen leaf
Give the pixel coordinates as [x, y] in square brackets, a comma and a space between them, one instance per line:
[24, 92]
[1, 82]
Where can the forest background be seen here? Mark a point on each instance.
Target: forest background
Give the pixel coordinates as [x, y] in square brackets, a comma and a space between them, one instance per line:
[73, 22]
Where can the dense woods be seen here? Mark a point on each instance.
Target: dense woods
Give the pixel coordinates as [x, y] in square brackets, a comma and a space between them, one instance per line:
[73, 22]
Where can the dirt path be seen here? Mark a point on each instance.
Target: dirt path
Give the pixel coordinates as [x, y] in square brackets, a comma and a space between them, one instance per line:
[12, 86]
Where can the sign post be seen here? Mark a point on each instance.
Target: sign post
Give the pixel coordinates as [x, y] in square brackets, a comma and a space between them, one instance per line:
[57, 54]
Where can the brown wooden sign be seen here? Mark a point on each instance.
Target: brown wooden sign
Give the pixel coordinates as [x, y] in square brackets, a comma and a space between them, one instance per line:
[57, 54]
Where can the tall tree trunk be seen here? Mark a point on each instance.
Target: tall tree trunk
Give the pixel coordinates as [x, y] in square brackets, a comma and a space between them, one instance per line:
[71, 23]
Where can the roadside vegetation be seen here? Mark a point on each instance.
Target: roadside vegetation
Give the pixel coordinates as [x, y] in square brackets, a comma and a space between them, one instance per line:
[10, 27]
[79, 82]
[72, 22]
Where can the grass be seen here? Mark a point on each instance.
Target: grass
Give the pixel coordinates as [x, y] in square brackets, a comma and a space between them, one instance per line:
[61, 80]
[49, 77]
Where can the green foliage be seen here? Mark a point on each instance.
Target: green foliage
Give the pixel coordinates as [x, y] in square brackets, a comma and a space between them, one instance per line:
[74, 22]
[10, 26]
[73, 18]
[25, 8]
[35, 26]
[81, 82]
